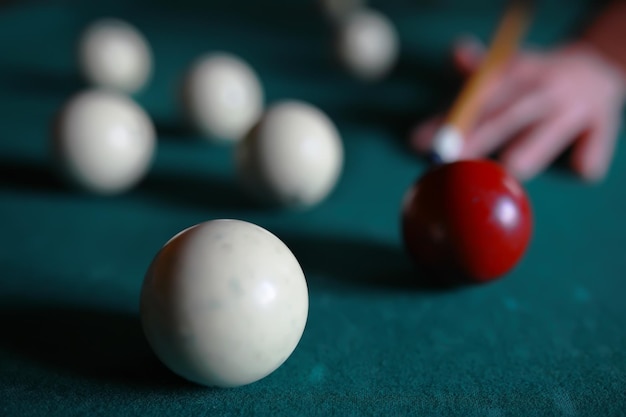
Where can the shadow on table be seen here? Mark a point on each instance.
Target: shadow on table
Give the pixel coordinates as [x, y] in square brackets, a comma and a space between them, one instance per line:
[413, 93]
[22, 173]
[101, 345]
[175, 130]
[285, 16]
[194, 190]
[338, 263]
[41, 81]
[180, 189]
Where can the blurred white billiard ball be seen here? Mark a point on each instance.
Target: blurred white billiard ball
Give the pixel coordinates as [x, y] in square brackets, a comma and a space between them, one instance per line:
[222, 97]
[367, 44]
[114, 54]
[224, 303]
[338, 9]
[293, 157]
[103, 141]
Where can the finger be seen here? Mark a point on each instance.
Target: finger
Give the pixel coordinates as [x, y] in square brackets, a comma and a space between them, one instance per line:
[526, 67]
[496, 129]
[421, 138]
[536, 150]
[467, 54]
[522, 74]
[592, 155]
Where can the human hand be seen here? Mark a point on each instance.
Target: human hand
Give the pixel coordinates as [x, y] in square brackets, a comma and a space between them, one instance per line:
[539, 105]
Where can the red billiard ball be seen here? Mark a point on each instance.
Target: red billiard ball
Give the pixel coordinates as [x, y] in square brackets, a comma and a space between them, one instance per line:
[467, 221]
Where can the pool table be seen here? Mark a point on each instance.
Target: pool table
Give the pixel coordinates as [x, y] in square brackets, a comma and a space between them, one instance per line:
[547, 339]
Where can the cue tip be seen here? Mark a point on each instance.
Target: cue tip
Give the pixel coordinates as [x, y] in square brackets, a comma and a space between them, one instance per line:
[447, 144]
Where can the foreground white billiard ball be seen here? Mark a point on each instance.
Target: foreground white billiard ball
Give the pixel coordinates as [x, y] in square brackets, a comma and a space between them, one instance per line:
[222, 97]
[103, 141]
[114, 54]
[224, 303]
[293, 157]
[367, 44]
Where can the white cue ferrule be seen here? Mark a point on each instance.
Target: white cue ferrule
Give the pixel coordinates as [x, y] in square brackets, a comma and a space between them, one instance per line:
[448, 143]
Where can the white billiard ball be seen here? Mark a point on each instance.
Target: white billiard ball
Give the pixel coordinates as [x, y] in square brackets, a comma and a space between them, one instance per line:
[367, 44]
[293, 157]
[103, 141]
[222, 97]
[224, 303]
[338, 9]
[114, 54]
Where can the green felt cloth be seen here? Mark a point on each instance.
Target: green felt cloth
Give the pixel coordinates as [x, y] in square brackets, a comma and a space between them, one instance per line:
[549, 339]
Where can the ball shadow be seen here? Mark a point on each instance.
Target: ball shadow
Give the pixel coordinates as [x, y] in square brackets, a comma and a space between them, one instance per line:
[444, 84]
[41, 82]
[92, 344]
[174, 130]
[340, 263]
[368, 113]
[296, 18]
[24, 174]
[431, 88]
[194, 191]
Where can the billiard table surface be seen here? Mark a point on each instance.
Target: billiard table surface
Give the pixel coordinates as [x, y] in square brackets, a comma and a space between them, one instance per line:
[547, 339]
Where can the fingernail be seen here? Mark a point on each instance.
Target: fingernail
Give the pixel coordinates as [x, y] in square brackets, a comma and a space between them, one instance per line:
[469, 41]
[594, 174]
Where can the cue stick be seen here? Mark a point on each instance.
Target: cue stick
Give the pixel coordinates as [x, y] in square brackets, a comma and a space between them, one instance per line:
[448, 141]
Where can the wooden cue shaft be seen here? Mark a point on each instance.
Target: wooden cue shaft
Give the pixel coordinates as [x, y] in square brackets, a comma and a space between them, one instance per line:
[504, 44]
